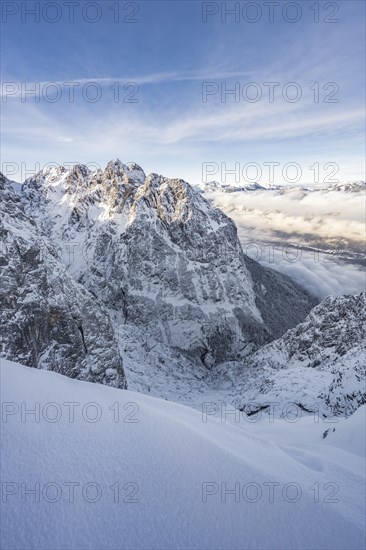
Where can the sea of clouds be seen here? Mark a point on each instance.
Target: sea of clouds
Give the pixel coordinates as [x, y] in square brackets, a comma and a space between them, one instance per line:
[316, 237]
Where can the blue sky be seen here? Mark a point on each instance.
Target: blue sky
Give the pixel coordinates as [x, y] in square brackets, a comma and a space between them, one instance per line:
[170, 53]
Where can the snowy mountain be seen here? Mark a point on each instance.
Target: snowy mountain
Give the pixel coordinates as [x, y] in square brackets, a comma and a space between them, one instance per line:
[154, 474]
[108, 264]
[122, 279]
[155, 252]
[346, 187]
[228, 188]
[318, 365]
[49, 321]
[349, 187]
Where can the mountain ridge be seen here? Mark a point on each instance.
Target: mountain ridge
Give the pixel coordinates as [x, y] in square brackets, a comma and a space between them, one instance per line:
[160, 254]
[191, 313]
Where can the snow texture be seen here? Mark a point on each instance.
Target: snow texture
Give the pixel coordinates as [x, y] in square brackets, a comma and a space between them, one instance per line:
[174, 472]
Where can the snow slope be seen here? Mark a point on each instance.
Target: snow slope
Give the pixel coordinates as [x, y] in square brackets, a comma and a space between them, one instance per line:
[320, 364]
[161, 455]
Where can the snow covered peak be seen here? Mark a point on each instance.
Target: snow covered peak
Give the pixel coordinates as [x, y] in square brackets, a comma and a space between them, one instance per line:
[183, 296]
[349, 187]
[115, 168]
[124, 173]
[156, 251]
[215, 186]
[50, 173]
[135, 173]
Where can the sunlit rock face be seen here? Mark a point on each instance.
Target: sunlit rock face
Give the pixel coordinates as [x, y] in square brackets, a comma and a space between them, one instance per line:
[48, 320]
[155, 251]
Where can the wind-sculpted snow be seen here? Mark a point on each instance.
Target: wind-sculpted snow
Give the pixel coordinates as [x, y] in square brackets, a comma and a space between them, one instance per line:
[48, 320]
[320, 364]
[149, 474]
[155, 251]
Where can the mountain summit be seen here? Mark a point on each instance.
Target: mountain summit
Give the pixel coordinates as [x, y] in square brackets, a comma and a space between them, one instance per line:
[155, 251]
[102, 265]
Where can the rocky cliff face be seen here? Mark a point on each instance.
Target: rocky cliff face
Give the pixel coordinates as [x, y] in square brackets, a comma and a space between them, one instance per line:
[48, 320]
[318, 364]
[155, 251]
[89, 258]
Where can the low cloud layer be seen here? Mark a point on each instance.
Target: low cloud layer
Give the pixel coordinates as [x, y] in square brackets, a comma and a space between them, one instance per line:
[270, 224]
[324, 277]
[329, 215]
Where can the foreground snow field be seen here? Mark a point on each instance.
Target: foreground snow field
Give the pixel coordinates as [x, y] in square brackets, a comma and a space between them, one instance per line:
[113, 469]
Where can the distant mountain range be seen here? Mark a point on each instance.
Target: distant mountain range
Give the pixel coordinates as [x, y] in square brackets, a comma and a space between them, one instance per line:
[349, 187]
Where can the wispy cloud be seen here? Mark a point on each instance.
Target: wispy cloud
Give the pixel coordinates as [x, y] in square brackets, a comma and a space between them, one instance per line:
[164, 77]
[171, 121]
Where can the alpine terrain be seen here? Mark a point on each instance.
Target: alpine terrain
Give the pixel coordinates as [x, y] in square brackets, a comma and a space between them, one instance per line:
[100, 266]
[139, 283]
